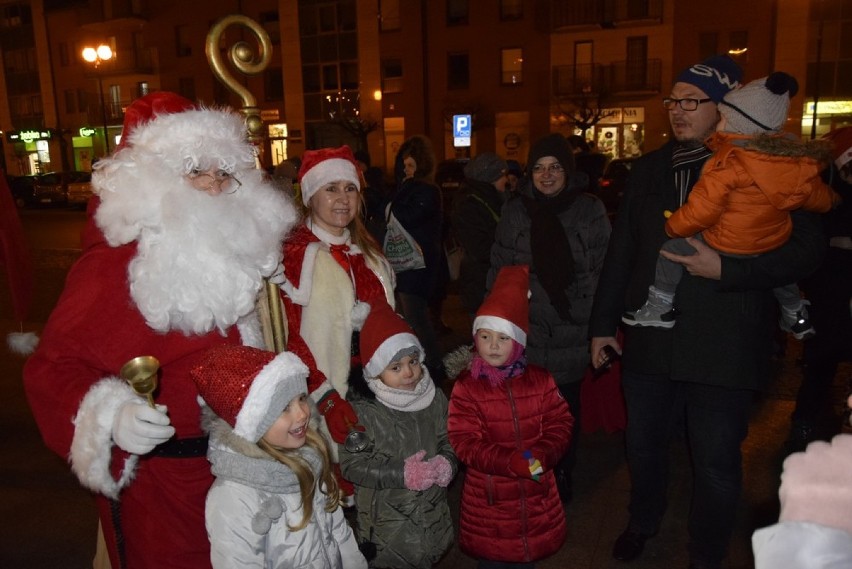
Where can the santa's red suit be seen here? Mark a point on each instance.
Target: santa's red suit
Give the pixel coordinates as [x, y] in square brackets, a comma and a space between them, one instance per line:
[144, 287]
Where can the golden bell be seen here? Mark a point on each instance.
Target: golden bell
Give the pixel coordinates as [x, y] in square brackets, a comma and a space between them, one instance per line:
[141, 374]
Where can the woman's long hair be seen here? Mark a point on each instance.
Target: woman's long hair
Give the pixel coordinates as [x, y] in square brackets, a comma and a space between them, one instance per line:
[307, 481]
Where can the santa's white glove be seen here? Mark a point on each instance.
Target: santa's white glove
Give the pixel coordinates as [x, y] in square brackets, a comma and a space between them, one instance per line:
[277, 277]
[816, 485]
[137, 428]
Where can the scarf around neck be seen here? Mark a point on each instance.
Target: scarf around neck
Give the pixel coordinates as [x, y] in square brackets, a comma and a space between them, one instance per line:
[552, 261]
[515, 365]
[401, 399]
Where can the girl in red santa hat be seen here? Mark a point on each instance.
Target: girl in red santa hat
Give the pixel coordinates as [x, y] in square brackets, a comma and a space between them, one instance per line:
[275, 502]
[401, 479]
[509, 424]
[332, 269]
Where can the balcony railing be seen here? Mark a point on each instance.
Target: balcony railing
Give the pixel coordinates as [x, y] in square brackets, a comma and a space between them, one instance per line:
[618, 78]
[603, 13]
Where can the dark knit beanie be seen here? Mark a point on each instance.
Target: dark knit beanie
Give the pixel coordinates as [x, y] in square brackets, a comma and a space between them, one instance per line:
[715, 76]
[486, 167]
[761, 106]
[554, 145]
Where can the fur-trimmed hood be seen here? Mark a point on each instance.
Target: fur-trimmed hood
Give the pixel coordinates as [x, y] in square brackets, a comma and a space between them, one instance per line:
[783, 144]
[458, 360]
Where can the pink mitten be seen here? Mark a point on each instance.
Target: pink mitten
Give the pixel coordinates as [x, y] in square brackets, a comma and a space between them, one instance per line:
[418, 473]
[442, 470]
[520, 465]
[816, 485]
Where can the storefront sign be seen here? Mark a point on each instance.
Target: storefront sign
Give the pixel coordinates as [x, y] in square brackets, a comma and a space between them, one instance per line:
[28, 135]
[610, 116]
[633, 114]
[86, 131]
[829, 107]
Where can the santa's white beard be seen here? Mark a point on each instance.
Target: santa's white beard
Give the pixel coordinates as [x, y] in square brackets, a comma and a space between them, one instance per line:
[201, 266]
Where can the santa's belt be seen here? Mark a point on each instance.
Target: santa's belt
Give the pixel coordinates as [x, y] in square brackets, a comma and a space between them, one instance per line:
[182, 448]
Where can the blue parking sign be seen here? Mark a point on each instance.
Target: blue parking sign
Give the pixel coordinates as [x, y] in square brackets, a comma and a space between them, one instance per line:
[461, 130]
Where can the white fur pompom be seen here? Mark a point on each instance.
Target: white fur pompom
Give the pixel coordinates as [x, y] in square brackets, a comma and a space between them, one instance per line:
[22, 343]
[359, 314]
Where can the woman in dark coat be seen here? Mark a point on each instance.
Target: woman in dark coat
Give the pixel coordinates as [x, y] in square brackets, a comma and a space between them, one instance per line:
[417, 206]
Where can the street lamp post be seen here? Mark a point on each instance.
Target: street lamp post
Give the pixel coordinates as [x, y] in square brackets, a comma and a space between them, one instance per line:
[96, 56]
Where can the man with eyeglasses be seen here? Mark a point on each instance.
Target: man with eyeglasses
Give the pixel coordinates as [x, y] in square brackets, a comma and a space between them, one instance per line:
[182, 230]
[704, 372]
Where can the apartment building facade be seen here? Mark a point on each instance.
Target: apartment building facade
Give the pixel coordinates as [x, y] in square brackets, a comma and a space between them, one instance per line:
[371, 73]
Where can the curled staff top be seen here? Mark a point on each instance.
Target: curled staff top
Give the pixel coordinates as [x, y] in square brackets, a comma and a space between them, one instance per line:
[244, 59]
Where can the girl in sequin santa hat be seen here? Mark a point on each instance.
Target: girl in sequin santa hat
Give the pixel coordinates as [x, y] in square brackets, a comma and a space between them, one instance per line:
[275, 500]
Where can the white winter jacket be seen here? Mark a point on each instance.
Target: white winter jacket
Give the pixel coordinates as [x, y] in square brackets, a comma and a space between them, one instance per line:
[253, 501]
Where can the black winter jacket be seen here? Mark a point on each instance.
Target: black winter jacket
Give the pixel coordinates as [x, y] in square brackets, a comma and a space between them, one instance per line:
[417, 206]
[723, 334]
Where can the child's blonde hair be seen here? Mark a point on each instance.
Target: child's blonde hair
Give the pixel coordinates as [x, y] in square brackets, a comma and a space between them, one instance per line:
[307, 480]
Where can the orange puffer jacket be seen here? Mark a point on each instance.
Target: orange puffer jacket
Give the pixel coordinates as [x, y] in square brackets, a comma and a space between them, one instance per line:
[742, 201]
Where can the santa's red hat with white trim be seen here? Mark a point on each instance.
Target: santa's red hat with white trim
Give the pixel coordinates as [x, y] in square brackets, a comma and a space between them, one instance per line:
[386, 337]
[147, 108]
[249, 388]
[326, 165]
[506, 309]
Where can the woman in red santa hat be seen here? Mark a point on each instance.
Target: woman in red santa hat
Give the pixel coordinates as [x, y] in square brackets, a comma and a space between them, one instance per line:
[182, 231]
[333, 270]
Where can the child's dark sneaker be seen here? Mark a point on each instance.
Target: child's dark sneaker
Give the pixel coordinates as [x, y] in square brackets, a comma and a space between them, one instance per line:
[797, 322]
[650, 315]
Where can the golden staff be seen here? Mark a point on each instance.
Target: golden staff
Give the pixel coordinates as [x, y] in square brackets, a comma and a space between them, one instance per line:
[242, 57]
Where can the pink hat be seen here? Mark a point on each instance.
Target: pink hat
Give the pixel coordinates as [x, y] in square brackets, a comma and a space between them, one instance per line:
[506, 309]
[326, 165]
[249, 388]
[147, 108]
[841, 138]
[383, 336]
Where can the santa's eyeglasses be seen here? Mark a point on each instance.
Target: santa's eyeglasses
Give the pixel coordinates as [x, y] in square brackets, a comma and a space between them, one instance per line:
[205, 181]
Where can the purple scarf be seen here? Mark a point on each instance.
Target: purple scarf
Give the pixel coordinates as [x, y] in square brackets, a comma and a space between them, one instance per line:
[514, 366]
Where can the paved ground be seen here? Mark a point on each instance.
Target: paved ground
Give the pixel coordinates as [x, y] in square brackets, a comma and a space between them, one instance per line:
[49, 521]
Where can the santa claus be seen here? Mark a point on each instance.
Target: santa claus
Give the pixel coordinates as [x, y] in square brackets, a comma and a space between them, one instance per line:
[184, 228]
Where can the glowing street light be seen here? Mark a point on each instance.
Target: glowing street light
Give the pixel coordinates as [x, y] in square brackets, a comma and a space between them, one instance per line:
[96, 56]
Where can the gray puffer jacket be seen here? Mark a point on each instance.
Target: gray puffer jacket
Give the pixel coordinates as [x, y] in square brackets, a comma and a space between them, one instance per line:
[560, 346]
[412, 530]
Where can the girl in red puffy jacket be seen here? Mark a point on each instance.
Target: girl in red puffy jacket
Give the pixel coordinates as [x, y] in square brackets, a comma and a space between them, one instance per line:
[509, 425]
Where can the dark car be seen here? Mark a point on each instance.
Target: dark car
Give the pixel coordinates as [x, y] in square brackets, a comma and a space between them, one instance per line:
[78, 188]
[613, 182]
[23, 189]
[50, 189]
